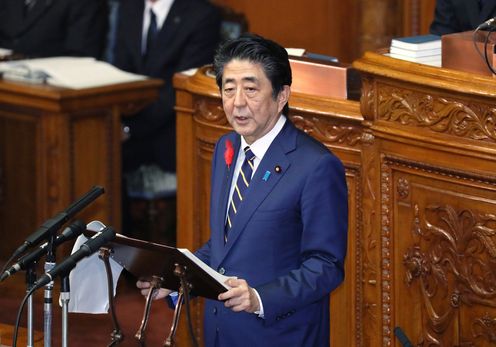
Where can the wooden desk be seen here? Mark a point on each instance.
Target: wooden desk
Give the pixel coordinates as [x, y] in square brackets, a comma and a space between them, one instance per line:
[55, 144]
[7, 335]
[201, 121]
[429, 202]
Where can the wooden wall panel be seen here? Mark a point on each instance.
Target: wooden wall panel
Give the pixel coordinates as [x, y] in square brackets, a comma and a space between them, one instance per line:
[344, 29]
[321, 26]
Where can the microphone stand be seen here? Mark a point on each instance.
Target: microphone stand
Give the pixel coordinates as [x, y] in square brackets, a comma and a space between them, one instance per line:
[65, 297]
[47, 306]
[155, 284]
[117, 336]
[30, 281]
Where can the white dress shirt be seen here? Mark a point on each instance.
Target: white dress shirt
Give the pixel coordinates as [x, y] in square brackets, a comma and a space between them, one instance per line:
[161, 9]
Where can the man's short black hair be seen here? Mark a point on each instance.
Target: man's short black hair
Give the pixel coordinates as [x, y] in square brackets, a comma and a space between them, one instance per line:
[272, 57]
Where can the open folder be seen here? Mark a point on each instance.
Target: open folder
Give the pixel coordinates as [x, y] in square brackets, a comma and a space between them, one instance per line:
[146, 259]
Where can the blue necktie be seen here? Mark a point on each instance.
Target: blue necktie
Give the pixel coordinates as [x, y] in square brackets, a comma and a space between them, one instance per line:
[152, 33]
[240, 188]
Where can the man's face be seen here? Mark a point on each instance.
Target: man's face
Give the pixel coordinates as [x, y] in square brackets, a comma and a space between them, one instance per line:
[247, 99]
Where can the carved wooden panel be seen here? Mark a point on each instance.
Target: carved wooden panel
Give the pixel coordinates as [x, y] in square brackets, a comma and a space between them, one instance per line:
[438, 113]
[438, 254]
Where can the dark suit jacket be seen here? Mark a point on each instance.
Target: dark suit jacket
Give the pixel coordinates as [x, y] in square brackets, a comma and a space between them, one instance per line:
[54, 27]
[453, 16]
[187, 39]
[288, 241]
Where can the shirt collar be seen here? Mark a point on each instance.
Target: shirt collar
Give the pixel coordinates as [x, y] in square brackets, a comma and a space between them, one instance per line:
[260, 146]
[160, 8]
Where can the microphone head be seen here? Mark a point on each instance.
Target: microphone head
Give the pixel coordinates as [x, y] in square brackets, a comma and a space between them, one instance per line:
[73, 230]
[100, 239]
[490, 23]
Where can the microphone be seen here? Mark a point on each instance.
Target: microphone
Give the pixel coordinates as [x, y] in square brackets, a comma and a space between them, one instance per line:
[405, 342]
[490, 23]
[86, 249]
[53, 224]
[69, 233]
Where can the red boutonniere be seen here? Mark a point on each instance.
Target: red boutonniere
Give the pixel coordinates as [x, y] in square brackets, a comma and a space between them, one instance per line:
[228, 153]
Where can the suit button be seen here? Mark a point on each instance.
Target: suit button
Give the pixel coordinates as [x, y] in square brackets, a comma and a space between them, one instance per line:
[222, 271]
[214, 310]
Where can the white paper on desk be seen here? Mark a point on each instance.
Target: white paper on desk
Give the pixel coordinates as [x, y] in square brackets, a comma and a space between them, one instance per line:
[4, 52]
[72, 72]
[88, 282]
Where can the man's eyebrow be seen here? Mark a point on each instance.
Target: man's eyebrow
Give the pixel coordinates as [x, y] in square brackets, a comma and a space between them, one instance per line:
[244, 79]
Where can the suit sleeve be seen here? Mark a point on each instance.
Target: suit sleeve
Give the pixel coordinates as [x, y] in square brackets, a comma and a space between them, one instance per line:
[324, 214]
[445, 21]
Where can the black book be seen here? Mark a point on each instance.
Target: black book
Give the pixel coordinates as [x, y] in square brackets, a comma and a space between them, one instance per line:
[147, 259]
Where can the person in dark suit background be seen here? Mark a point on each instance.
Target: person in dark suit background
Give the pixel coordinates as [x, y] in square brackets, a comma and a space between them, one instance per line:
[187, 33]
[453, 16]
[278, 210]
[46, 28]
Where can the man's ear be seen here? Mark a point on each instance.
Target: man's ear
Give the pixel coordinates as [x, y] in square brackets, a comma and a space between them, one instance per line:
[283, 97]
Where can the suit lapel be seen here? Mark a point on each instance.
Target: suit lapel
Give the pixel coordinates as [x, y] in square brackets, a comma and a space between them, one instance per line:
[135, 31]
[223, 193]
[168, 31]
[32, 16]
[259, 187]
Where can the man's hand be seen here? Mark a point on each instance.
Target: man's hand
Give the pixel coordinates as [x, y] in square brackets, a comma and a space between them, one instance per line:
[241, 297]
[158, 294]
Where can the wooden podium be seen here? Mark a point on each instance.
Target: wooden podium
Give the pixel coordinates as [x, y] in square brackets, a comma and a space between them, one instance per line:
[55, 144]
[429, 200]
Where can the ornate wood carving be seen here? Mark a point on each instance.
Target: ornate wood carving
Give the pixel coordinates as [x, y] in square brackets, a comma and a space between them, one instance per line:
[485, 328]
[403, 188]
[329, 131]
[440, 114]
[386, 188]
[367, 98]
[210, 111]
[453, 261]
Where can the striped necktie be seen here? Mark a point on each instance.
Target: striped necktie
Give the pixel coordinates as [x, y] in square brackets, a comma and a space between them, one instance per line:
[240, 188]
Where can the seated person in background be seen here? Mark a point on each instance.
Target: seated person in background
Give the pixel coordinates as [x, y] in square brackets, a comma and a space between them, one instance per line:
[453, 16]
[47, 28]
[158, 38]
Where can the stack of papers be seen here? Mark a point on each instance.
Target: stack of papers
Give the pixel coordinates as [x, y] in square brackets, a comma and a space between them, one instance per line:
[67, 72]
[424, 49]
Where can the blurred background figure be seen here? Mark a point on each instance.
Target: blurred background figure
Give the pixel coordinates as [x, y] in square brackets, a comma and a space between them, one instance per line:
[453, 16]
[46, 28]
[158, 38]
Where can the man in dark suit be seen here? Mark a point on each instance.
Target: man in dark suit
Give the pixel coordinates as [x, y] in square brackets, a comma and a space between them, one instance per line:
[185, 36]
[278, 212]
[453, 16]
[46, 28]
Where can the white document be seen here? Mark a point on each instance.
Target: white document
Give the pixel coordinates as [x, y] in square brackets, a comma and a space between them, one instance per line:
[220, 278]
[67, 72]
